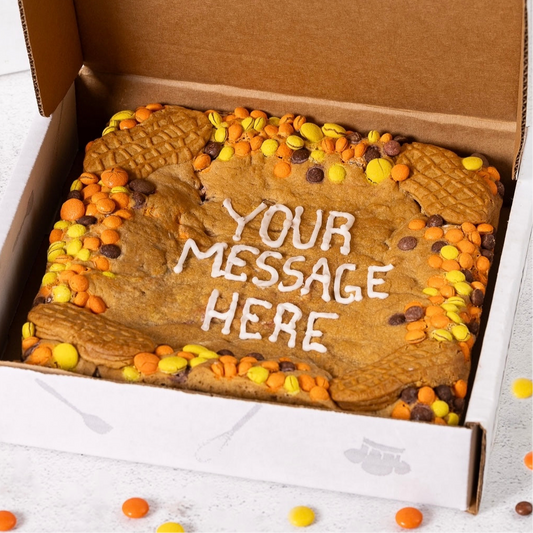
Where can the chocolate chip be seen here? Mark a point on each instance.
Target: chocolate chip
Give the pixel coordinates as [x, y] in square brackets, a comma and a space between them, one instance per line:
[473, 327]
[501, 188]
[488, 241]
[315, 175]
[469, 277]
[435, 221]
[414, 313]
[142, 185]
[287, 366]
[523, 508]
[489, 254]
[444, 392]
[437, 246]
[86, 220]
[397, 319]
[300, 156]
[409, 395]
[407, 243]
[110, 250]
[39, 300]
[75, 194]
[477, 297]
[258, 356]
[422, 412]
[354, 137]
[400, 139]
[139, 199]
[372, 152]
[392, 148]
[180, 378]
[212, 149]
[225, 352]
[458, 405]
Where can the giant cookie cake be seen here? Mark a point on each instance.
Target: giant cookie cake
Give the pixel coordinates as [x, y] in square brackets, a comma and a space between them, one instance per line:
[270, 258]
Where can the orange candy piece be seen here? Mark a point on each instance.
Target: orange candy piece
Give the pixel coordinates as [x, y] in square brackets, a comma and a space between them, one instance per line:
[454, 235]
[78, 283]
[135, 508]
[72, 209]
[409, 518]
[282, 169]
[399, 172]
[417, 224]
[426, 395]
[528, 460]
[146, 363]
[460, 388]
[114, 177]
[401, 411]
[96, 304]
[433, 233]
[7, 520]
[319, 394]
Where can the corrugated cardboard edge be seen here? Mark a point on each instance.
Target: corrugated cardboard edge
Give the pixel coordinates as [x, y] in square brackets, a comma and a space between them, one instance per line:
[478, 462]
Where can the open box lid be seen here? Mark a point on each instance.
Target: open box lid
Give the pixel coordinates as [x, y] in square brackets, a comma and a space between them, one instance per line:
[453, 58]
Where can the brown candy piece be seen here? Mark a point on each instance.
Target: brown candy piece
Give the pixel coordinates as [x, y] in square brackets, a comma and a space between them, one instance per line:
[397, 319]
[435, 221]
[112, 251]
[212, 149]
[392, 148]
[407, 243]
[437, 246]
[315, 175]
[523, 508]
[477, 297]
[372, 152]
[422, 413]
[143, 186]
[414, 313]
[300, 156]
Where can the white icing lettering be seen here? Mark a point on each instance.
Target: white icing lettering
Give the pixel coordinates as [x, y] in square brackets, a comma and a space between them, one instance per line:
[291, 272]
[248, 316]
[228, 316]
[324, 278]
[241, 221]
[356, 295]
[274, 275]
[371, 282]
[234, 260]
[287, 327]
[296, 235]
[307, 345]
[265, 223]
[343, 229]
[217, 250]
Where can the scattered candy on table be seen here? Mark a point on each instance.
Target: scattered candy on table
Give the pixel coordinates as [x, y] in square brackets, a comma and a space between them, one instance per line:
[409, 517]
[170, 527]
[528, 460]
[522, 388]
[301, 516]
[7, 520]
[523, 508]
[135, 508]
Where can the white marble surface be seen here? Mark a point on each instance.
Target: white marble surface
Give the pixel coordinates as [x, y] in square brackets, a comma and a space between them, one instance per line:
[57, 492]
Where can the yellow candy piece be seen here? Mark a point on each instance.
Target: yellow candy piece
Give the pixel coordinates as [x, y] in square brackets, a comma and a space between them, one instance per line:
[294, 142]
[258, 374]
[522, 388]
[247, 123]
[336, 174]
[301, 516]
[269, 147]
[108, 274]
[123, 115]
[221, 135]
[450, 308]
[197, 361]
[291, 385]
[77, 185]
[130, 373]
[84, 254]
[452, 419]
[58, 245]
[119, 188]
[76, 230]
[317, 155]
[215, 119]
[333, 130]
[274, 121]
[373, 136]
[455, 276]
[53, 255]
[463, 288]
[260, 123]
[454, 317]
[49, 279]
[57, 267]
[456, 300]
[170, 527]
[377, 170]
[28, 330]
[109, 129]
[196, 349]
[74, 246]
[431, 291]
[472, 163]
[65, 356]
[449, 252]
[460, 332]
[62, 224]
[441, 335]
[440, 408]
[61, 293]
[226, 153]
[172, 364]
[114, 123]
[311, 132]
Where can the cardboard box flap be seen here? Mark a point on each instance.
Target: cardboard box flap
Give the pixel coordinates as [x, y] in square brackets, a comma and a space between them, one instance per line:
[54, 51]
[407, 56]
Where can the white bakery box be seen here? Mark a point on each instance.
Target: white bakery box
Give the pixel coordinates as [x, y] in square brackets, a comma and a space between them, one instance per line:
[433, 75]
